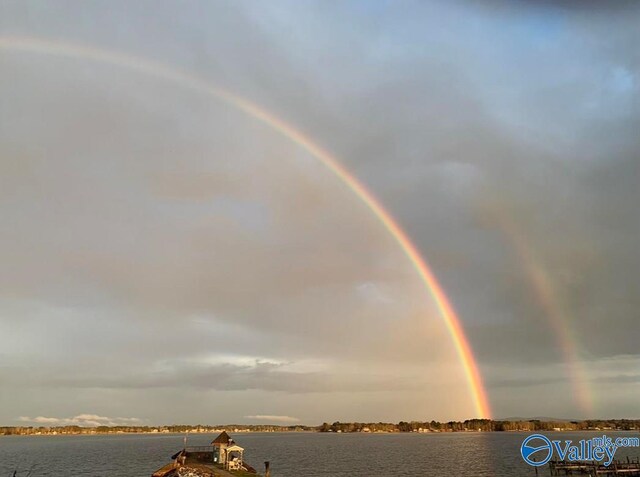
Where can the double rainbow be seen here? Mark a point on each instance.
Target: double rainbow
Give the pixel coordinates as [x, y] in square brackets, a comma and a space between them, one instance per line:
[196, 84]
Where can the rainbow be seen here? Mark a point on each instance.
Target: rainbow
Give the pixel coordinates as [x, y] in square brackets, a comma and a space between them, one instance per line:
[196, 84]
[559, 321]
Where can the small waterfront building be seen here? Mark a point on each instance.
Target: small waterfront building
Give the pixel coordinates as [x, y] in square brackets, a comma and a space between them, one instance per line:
[220, 445]
[227, 452]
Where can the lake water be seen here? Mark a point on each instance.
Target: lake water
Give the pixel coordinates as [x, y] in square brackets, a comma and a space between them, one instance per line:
[291, 454]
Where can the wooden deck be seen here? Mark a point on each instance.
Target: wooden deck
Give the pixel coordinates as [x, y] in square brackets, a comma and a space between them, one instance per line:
[628, 468]
[164, 471]
[171, 470]
[206, 470]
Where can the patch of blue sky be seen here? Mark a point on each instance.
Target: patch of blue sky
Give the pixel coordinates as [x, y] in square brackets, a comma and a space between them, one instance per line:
[541, 27]
[621, 80]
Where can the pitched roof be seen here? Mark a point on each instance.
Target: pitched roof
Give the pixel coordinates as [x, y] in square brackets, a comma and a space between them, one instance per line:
[223, 438]
[175, 456]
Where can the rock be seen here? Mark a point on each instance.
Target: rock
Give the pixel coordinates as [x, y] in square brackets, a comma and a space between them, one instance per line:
[187, 471]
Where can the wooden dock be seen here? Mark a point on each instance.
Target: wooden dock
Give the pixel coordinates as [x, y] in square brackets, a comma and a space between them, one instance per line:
[628, 468]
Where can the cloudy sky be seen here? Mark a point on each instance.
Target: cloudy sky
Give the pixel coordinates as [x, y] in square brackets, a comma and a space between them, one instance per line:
[167, 258]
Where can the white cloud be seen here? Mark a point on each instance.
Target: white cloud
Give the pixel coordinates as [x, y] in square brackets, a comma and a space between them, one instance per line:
[261, 417]
[84, 420]
[373, 293]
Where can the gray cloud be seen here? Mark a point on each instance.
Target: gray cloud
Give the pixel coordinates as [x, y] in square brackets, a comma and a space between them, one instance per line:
[263, 376]
[143, 223]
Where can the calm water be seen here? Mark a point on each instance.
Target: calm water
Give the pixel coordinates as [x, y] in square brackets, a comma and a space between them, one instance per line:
[291, 454]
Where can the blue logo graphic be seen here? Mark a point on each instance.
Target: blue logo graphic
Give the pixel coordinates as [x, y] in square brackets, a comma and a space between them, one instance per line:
[534, 446]
[537, 449]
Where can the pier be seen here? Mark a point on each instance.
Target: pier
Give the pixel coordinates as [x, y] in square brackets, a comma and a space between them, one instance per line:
[223, 458]
[628, 468]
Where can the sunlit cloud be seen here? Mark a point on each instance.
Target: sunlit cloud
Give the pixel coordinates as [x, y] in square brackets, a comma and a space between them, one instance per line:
[263, 417]
[84, 420]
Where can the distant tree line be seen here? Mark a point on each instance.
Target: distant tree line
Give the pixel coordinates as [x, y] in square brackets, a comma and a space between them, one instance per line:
[470, 425]
[485, 425]
[177, 428]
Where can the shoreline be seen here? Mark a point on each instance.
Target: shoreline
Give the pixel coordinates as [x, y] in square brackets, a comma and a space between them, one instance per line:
[181, 434]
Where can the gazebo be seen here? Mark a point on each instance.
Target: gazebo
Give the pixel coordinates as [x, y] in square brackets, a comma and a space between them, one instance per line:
[233, 462]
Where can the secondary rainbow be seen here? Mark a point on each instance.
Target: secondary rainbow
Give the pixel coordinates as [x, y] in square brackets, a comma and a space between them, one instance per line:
[187, 80]
[550, 303]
